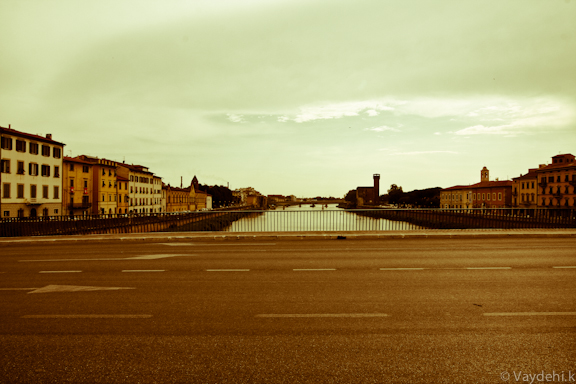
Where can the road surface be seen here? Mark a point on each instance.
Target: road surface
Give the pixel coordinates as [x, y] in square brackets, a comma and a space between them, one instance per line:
[431, 310]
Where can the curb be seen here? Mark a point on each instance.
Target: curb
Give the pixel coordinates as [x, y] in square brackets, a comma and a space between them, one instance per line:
[391, 235]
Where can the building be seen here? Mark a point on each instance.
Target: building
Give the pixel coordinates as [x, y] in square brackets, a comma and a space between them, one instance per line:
[369, 195]
[485, 194]
[178, 199]
[30, 174]
[145, 189]
[77, 191]
[557, 182]
[525, 190]
[104, 186]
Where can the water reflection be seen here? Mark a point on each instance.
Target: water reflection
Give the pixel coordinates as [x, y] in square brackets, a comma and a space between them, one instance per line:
[314, 218]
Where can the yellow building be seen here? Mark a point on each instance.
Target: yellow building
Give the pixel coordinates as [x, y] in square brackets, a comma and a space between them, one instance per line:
[78, 185]
[525, 190]
[122, 194]
[557, 183]
[177, 199]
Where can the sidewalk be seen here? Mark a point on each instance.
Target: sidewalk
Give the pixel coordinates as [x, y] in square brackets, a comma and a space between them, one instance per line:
[358, 235]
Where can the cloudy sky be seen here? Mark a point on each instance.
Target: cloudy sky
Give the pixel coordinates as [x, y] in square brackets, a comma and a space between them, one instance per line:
[304, 97]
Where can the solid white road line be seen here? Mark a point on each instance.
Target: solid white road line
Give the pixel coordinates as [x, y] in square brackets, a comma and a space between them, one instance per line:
[276, 315]
[227, 270]
[531, 314]
[18, 289]
[59, 271]
[489, 268]
[143, 270]
[86, 316]
[401, 269]
[565, 267]
[313, 269]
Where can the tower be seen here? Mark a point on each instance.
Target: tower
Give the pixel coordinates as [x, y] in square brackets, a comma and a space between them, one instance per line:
[484, 175]
[376, 188]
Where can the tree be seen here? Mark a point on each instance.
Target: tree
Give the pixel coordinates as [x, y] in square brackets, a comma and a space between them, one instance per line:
[395, 193]
[351, 196]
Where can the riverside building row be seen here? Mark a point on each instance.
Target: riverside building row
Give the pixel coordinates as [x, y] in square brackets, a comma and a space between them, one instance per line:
[548, 186]
[37, 180]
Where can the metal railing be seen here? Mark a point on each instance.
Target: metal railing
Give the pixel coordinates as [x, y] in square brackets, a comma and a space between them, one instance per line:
[292, 220]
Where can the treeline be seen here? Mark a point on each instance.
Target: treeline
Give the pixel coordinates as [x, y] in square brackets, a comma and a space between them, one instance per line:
[221, 196]
[419, 198]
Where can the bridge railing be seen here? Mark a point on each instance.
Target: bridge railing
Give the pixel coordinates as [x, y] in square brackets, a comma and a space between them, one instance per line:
[293, 220]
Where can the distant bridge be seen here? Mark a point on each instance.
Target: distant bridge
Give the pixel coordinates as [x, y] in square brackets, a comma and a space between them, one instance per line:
[309, 202]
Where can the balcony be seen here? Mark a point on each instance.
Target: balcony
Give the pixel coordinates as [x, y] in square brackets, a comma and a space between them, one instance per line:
[543, 184]
[32, 201]
[85, 205]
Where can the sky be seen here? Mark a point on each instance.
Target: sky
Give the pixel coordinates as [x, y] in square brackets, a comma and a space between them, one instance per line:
[297, 97]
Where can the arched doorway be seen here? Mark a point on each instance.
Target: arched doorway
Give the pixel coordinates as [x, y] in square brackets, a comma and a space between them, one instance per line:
[33, 212]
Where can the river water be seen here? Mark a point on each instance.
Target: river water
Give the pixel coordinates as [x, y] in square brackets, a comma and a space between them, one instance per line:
[318, 218]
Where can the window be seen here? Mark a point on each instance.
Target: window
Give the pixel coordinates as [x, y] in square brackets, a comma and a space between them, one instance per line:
[56, 171]
[5, 166]
[71, 166]
[72, 183]
[32, 191]
[33, 169]
[20, 191]
[500, 196]
[45, 150]
[6, 190]
[44, 191]
[56, 192]
[85, 183]
[494, 196]
[20, 170]
[85, 169]
[6, 143]
[488, 197]
[33, 148]
[56, 211]
[20, 145]
[103, 197]
[56, 153]
[6, 213]
[558, 178]
[45, 170]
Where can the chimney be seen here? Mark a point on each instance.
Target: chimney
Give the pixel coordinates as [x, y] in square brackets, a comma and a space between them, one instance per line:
[49, 136]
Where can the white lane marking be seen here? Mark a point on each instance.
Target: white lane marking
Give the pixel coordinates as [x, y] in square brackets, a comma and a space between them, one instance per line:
[86, 317]
[489, 268]
[313, 269]
[143, 270]
[74, 288]
[211, 245]
[142, 257]
[566, 267]
[153, 257]
[323, 315]
[401, 269]
[531, 314]
[227, 270]
[18, 289]
[59, 271]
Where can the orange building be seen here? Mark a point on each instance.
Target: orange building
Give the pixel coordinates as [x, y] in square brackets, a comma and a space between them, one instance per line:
[557, 182]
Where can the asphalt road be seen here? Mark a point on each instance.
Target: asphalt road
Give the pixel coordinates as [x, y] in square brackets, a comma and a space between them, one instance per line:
[277, 311]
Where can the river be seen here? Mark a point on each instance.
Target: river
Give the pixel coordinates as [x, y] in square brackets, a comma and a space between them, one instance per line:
[318, 218]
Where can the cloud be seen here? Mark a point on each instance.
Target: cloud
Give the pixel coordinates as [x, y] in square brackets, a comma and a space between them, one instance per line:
[482, 130]
[382, 129]
[339, 110]
[235, 118]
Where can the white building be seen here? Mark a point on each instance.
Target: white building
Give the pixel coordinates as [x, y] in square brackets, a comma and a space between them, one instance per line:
[30, 174]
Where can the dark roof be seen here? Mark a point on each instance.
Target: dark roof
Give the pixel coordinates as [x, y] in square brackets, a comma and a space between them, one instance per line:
[76, 160]
[29, 136]
[482, 184]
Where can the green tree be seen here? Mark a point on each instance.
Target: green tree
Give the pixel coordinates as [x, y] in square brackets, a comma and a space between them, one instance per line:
[395, 194]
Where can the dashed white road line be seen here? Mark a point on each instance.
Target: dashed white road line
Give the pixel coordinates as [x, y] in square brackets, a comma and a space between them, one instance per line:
[531, 314]
[59, 271]
[143, 270]
[565, 267]
[489, 268]
[308, 315]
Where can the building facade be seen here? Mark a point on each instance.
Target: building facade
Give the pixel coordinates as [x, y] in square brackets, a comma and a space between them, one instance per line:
[525, 190]
[30, 174]
[369, 195]
[557, 183]
[77, 192]
[485, 194]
